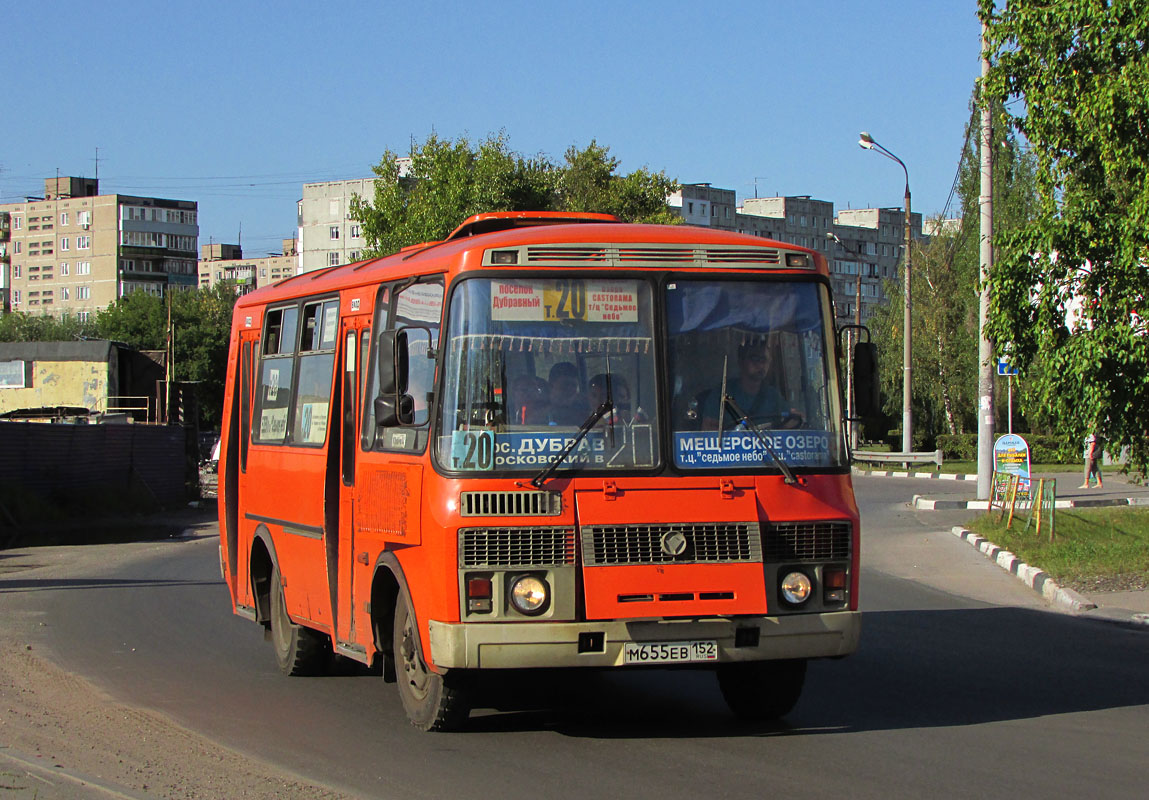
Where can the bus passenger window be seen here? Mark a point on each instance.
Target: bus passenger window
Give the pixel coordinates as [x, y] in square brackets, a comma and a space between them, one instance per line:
[276, 370]
[279, 335]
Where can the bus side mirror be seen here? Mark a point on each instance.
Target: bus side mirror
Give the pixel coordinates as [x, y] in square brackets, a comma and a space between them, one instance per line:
[395, 405]
[867, 403]
[392, 365]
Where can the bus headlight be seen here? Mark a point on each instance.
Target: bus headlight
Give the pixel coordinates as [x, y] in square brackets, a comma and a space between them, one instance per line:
[796, 588]
[530, 595]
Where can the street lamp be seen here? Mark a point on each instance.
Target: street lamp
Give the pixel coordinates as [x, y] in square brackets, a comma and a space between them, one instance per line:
[866, 141]
[852, 334]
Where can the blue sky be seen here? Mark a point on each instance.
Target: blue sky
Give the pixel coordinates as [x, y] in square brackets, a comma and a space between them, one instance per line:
[236, 104]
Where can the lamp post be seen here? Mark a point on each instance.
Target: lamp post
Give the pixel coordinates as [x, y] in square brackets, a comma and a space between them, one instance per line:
[866, 141]
[850, 360]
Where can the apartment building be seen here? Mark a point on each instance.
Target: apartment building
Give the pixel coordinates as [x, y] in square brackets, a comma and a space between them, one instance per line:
[863, 251]
[327, 234]
[225, 262]
[76, 251]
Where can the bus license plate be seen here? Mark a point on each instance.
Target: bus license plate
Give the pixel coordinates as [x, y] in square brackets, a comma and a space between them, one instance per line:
[669, 652]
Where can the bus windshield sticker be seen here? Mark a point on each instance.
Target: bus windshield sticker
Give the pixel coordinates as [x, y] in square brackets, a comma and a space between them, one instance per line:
[564, 300]
[272, 385]
[422, 302]
[484, 450]
[273, 424]
[314, 424]
[473, 450]
[742, 449]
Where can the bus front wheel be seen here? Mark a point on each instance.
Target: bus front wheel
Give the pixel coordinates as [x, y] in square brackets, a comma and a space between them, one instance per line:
[762, 690]
[298, 650]
[433, 702]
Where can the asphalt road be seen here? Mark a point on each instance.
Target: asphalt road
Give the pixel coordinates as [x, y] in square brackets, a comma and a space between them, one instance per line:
[964, 686]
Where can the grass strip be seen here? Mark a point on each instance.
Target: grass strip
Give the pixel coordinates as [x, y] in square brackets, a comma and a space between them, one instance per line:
[1093, 549]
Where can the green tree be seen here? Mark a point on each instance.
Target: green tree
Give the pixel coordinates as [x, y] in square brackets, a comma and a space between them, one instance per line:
[22, 327]
[201, 321]
[450, 181]
[1069, 288]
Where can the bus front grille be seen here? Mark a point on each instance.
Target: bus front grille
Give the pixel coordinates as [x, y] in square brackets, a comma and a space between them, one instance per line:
[808, 541]
[685, 543]
[510, 504]
[515, 547]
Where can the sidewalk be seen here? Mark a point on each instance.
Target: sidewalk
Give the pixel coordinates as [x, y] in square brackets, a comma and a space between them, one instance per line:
[960, 492]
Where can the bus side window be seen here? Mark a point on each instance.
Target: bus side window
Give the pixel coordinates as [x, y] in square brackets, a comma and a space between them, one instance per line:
[273, 392]
[316, 362]
[418, 305]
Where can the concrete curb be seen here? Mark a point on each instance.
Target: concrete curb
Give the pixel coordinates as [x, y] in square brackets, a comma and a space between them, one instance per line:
[925, 504]
[937, 476]
[1040, 582]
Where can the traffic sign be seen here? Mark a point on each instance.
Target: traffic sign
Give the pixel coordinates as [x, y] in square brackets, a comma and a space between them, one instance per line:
[1003, 367]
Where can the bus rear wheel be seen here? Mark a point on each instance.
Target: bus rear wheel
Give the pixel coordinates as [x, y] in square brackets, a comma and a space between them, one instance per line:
[433, 701]
[298, 650]
[762, 690]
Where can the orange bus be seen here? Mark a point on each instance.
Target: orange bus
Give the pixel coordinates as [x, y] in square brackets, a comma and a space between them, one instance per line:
[549, 440]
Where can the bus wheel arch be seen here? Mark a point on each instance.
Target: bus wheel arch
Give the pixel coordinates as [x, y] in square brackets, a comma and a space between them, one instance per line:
[261, 564]
[386, 584]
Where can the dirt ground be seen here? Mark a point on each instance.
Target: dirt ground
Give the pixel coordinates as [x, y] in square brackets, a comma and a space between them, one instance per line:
[62, 738]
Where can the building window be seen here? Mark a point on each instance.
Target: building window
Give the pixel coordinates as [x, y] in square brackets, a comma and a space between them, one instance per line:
[83, 242]
[16, 297]
[354, 232]
[333, 231]
[83, 292]
[83, 267]
[84, 217]
[18, 247]
[64, 218]
[63, 268]
[64, 291]
[83, 315]
[17, 222]
[16, 269]
[333, 259]
[354, 255]
[63, 242]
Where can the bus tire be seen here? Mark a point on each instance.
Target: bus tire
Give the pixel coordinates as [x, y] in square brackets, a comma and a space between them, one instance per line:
[433, 701]
[298, 650]
[762, 690]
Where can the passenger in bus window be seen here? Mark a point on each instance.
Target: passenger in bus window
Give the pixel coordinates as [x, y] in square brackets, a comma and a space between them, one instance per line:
[754, 390]
[568, 405]
[527, 400]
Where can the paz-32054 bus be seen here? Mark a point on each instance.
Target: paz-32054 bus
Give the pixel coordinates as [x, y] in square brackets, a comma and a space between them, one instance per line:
[547, 441]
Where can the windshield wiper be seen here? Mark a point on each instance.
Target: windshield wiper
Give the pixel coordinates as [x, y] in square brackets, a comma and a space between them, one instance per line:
[745, 420]
[605, 408]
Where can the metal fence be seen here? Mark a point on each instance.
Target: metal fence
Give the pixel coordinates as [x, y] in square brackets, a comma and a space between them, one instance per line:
[64, 467]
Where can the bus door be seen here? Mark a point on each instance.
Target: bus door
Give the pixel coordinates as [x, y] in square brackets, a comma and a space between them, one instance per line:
[244, 391]
[355, 338]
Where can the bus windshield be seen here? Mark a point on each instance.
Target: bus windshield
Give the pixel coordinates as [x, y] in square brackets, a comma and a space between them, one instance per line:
[528, 361]
[768, 344]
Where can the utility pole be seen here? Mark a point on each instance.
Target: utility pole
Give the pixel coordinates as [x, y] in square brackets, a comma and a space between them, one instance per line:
[985, 373]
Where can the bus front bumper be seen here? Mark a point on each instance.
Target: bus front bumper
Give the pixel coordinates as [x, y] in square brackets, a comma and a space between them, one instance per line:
[507, 645]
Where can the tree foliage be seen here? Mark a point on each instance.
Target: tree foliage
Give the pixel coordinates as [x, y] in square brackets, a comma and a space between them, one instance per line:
[1069, 289]
[450, 181]
[22, 327]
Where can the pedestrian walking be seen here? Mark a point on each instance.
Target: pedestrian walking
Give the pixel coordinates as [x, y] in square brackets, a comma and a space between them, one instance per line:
[1092, 459]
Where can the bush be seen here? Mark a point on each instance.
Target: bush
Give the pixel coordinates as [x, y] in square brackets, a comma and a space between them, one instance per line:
[1043, 449]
